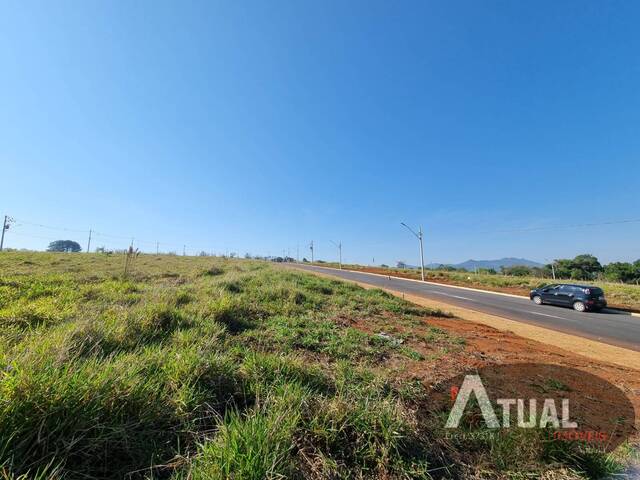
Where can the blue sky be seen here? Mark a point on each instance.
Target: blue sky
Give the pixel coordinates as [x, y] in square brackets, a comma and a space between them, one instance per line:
[259, 126]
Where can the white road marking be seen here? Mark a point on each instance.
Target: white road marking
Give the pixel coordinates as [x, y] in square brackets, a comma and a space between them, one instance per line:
[389, 277]
[463, 298]
[552, 316]
[453, 296]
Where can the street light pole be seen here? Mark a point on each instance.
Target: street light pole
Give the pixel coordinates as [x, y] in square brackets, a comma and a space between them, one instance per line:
[419, 236]
[339, 245]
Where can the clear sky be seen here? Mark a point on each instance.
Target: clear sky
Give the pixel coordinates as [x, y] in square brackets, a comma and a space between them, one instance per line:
[257, 126]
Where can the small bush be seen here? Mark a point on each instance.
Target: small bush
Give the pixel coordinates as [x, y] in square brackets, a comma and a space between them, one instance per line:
[255, 445]
[213, 271]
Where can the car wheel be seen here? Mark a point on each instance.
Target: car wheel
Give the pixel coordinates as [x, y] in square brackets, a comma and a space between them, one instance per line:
[579, 307]
[537, 300]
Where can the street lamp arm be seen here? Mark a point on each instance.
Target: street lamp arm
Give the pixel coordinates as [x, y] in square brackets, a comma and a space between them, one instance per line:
[410, 229]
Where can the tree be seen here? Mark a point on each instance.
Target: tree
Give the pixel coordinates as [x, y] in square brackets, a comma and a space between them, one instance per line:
[582, 267]
[64, 246]
[585, 267]
[446, 268]
[517, 271]
[487, 271]
[619, 272]
[623, 272]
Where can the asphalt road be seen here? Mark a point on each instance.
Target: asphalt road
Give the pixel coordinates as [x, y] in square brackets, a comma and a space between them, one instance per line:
[609, 326]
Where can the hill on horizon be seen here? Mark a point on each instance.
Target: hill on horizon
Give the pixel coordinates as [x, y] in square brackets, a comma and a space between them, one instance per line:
[495, 264]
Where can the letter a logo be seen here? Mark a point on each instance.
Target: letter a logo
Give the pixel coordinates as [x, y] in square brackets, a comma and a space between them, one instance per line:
[472, 383]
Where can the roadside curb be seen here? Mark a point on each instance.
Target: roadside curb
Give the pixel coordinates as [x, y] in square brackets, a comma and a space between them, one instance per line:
[420, 281]
[633, 314]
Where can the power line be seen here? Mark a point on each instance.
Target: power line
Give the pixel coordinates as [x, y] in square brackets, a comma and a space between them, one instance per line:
[559, 227]
[24, 222]
[17, 222]
[93, 234]
[29, 235]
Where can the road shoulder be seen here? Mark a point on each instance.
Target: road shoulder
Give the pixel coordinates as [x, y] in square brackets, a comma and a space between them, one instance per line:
[565, 343]
[461, 287]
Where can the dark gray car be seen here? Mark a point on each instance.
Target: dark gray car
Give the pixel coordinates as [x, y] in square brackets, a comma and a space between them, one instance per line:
[581, 298]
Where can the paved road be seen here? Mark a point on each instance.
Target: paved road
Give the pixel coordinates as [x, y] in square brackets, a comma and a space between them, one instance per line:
[612, 327]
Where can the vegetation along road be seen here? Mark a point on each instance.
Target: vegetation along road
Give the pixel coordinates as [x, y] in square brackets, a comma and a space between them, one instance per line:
[612, 327]
[204, 368]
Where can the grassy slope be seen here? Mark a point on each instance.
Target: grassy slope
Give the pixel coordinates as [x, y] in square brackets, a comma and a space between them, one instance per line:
[202, 368]
[618, 295]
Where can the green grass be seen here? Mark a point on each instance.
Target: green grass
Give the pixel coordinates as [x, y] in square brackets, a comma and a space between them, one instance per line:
[200, 368]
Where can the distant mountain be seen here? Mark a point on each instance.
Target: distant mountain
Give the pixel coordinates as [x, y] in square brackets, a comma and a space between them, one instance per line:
[495, 264]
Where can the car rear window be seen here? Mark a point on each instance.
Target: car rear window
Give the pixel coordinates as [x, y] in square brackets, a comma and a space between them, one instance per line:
[594, 291]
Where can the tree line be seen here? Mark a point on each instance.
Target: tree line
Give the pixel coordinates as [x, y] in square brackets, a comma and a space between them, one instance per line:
[582, 267]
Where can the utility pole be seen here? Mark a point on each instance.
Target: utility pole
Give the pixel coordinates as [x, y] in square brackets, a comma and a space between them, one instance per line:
[297, 253]
[184, 250]
[5, 226]
[553, 267]
[89, 243]
[311, 248]
[339, 245]
[157, 248]
[419, 236]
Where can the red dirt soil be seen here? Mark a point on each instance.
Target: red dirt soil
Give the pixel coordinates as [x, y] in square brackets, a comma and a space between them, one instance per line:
[486, 346]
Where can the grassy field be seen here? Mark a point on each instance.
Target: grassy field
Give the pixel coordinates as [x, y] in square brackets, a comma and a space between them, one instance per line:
[618, 295]
[201, 368]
